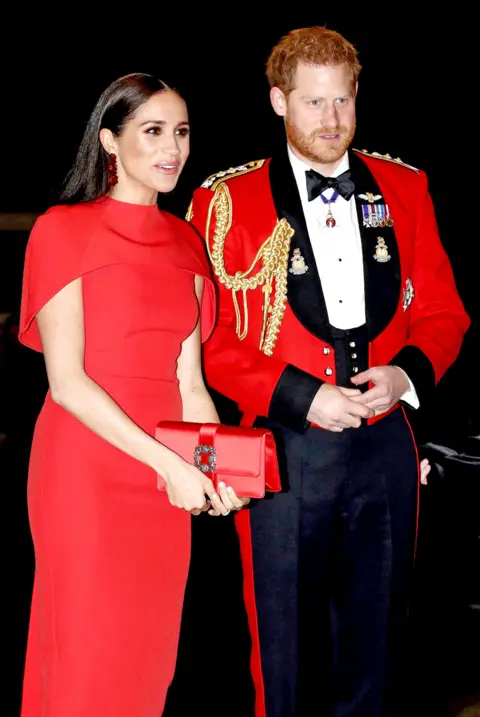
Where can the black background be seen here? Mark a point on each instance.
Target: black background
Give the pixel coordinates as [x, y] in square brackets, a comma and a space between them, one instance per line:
[417, 96]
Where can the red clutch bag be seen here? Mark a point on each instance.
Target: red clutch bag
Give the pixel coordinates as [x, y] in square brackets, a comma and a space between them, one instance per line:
[244, 458]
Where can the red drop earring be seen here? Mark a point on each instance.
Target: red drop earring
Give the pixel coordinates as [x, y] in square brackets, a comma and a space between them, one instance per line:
[112, 170]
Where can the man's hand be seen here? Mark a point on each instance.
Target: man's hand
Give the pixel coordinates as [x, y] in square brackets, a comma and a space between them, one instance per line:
[390, 384]
[425, 469]
[333, 408]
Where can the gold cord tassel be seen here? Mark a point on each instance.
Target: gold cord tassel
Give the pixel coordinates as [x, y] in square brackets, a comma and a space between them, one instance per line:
[272, 275]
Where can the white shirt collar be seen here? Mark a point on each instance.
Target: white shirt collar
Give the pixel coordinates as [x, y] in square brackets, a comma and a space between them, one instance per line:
[299, 167]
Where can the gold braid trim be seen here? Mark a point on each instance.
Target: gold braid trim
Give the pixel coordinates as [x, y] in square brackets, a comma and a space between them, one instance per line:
[386, 158]
[189, 214]
[274, 257]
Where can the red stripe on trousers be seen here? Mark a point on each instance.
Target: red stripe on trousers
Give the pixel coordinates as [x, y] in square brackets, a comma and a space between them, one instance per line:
[419, 484]
[418, 495]
[242, 521]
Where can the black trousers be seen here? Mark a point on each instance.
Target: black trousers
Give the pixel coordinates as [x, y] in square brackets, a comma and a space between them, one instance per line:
[332, 558]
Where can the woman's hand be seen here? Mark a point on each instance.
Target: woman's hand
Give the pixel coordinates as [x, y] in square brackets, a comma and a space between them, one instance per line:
[190, 489]
[230, 500]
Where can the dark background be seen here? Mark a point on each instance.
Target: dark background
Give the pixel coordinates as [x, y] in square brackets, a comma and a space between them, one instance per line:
[417, 97]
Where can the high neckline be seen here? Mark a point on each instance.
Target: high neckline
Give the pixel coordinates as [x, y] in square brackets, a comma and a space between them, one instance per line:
[127, 206]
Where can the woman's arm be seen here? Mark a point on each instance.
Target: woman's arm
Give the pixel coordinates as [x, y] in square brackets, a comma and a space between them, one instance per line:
[61, 327]
[198, 406]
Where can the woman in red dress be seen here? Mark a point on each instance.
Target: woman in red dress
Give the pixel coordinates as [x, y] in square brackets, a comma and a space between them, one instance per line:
[111, 295]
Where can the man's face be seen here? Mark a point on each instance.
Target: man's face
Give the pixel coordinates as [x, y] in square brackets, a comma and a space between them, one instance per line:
[319, 113]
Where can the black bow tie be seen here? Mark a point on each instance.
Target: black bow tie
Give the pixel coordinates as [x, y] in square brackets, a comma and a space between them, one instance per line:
[317, 183]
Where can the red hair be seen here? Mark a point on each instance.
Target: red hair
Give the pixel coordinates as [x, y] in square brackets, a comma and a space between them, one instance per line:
[312, 46]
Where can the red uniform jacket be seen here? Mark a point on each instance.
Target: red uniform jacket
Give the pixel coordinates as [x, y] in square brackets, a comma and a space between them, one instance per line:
[272, 347]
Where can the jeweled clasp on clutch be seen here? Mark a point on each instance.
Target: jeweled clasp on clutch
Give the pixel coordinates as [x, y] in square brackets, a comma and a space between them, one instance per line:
[205, 458]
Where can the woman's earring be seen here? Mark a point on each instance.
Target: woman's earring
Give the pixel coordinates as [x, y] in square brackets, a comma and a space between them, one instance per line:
[112, 170]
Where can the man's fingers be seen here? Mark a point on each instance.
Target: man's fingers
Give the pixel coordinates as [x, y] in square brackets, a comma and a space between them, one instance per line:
[349, 391]
[425, 469]
[349, 421]
[358, 409]
[373, 394]
[363, 377]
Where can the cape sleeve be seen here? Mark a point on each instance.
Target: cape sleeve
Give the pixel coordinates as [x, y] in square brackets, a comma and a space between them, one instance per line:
[53, 260]
[208, 309]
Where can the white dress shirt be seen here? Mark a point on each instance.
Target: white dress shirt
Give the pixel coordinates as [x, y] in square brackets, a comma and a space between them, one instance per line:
[338, 254]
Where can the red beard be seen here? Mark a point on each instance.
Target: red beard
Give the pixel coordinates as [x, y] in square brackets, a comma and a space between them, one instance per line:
[308, 147]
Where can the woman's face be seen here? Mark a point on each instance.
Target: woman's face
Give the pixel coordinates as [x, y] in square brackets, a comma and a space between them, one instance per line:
[152, 148]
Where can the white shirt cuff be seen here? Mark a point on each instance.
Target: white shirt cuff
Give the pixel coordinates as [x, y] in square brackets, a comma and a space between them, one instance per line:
[410, 396]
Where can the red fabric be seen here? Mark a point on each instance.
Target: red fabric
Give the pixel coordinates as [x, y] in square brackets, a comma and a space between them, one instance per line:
[255, 375]
[112, 554]
[246, 458]
[69, 242]
[435, 322]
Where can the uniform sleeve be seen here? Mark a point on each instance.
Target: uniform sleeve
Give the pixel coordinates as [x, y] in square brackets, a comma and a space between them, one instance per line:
[52, 261]
[261, 385]
[438, 320]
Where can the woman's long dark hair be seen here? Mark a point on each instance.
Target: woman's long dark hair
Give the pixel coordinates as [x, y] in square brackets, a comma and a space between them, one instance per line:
[88, 178]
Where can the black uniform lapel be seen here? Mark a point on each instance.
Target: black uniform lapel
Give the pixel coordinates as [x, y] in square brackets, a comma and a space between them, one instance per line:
[305, 294]
[382, 278]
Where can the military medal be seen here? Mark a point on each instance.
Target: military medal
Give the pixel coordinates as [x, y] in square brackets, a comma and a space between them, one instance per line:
[381, 251]
[375, 215]
[388, 218]
[330, 222]
[381, 215]
[372, 219]
[298, 263]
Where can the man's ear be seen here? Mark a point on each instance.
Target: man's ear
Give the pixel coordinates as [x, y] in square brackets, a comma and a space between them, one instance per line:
[279, 101]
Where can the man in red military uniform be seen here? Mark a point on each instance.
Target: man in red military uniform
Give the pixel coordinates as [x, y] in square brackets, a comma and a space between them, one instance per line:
[338, 309]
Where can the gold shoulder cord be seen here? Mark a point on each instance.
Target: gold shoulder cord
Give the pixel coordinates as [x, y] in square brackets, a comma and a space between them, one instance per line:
[386, 158]
[274, 256]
